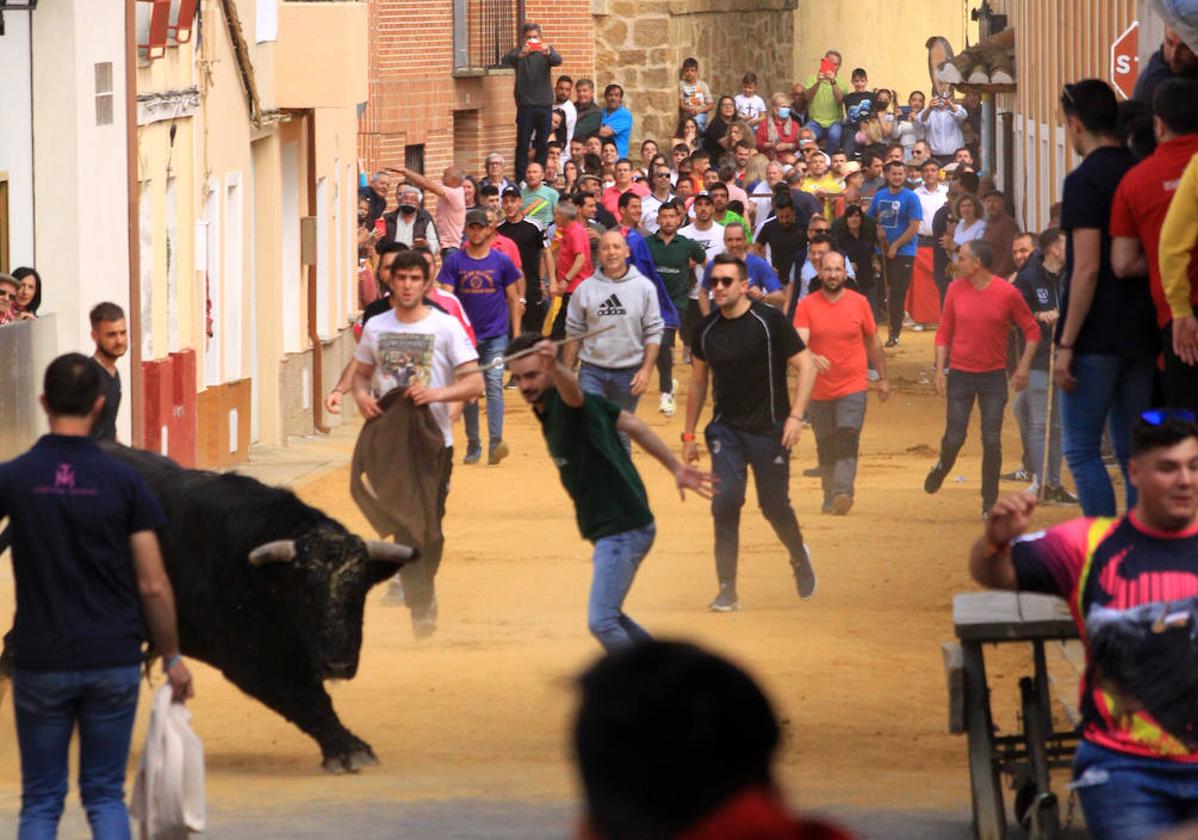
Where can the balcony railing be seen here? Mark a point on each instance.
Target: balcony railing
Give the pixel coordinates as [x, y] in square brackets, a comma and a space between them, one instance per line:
[484, 31]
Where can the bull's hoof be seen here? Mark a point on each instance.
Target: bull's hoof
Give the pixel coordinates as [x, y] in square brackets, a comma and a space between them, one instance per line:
[351, 762]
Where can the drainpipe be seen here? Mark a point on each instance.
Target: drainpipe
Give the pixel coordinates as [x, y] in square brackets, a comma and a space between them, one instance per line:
[133, 221]
[313, 332]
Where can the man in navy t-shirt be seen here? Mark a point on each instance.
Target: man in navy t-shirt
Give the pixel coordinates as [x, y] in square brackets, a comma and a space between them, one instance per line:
[485, 282]
[88, 573]
[898, 214]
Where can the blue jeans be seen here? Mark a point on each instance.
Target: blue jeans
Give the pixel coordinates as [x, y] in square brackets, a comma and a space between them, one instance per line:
[990, 391]
[616, 559]
[613, 383]
[732, 453]
[1128, 797]
[1109, 390]
[489, 349]
[48, 704]
[831, 134]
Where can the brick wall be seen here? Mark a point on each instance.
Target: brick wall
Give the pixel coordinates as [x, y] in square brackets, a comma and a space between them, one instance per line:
[415, 98]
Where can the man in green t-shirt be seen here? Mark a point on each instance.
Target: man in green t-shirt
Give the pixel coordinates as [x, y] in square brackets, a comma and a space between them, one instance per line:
[610, 503]
[675, 258]
[825, 102]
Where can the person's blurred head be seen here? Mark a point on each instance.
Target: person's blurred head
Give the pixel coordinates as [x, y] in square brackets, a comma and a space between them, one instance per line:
[818, 165]
[974, 259]
[610, 152]
[613, 96]
[623, 172]
[873, 165]
[71, 387]
[703, 207]
[562, 89]
[859, 79]
[587, 204]
[1177, 53]
[773, 172]
[728, 280]
[660, 180]
[380, 183]
[494, 166]
[817, 246]
[534, 175]
[854, 217]
[593, 146]
[963, 157]
[512, 204]
[735, 242]
[678, 154]
[839, 159]
[1164, 468]
[741, 153]
[920, 152]
[478, 228]
[690, 69]
[1175, 105]
[1091, 111]
[780, 106]
[453, 176]
[835, 58]
[725, 109]
[666, 733]
[831, 271]
[9, 289]
[629, 206]
[1052, 246]
[1022, 248]
[670, 216]
[387, 252]
[584, 92]
[409, 277]
[931, 175]
[109, 331]
[967, 208]
[748, 84]
[685, 188]
[488, 196]
[917, 101]
[995, 204]
[29, 293]
[896, 174]
[565, 214]
[817, 225]
[613, 254]
[784, 210]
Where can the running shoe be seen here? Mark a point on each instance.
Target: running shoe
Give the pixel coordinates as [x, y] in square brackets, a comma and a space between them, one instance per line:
[474, 453]
[804, 574]
[892, 341]
[935, 478]
[725, 600]
[842, 503]
[666, 405]
[498, 451]
[1021, 475]
[1058, 495]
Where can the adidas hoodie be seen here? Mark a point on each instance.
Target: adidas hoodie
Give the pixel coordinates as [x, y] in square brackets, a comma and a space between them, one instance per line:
[630, 303]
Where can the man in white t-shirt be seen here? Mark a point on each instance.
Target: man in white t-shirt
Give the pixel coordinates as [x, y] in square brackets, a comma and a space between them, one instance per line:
[427, 353]
[710, 234]
[750, 107]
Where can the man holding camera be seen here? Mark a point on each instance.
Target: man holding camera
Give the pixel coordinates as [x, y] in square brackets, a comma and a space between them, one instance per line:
[942, 121]
[534, 95]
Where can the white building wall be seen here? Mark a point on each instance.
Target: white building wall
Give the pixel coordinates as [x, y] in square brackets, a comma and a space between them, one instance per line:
[81, 212]
[16, 138]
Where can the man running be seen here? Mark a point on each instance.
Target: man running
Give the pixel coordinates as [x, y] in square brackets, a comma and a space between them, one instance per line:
[838, 326]
[748, 347]
[610, 503]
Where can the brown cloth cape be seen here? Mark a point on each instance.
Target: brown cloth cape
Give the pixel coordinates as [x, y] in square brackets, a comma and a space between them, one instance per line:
[396, 469]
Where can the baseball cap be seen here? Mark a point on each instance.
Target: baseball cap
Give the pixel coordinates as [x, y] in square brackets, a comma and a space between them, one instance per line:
[508, 192]
[703, 196]
[477, 216]
[850, 167]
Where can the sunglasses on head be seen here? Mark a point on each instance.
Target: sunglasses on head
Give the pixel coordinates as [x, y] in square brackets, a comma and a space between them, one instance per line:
[724, 281]
[1157, 416]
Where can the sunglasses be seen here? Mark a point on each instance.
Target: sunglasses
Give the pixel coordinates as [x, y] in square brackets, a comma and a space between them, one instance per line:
[724, 281]
[662, 175]
[1158, 416]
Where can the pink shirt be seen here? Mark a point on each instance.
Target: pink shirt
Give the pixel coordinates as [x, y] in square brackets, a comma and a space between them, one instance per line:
[451, 217]
[508, 248]
[450, 303]
[611, 196]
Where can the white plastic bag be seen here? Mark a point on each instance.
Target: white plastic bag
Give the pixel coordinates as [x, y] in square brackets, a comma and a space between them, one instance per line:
[168, 793]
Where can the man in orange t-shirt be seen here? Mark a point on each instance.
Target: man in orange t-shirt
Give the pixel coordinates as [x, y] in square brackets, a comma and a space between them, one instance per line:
[838, 327]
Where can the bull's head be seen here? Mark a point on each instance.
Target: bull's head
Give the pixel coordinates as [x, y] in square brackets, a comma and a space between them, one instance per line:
[323, 577]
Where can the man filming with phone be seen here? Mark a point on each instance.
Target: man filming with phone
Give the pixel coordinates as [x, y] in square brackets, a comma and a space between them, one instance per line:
[942, 120]
[534, 95]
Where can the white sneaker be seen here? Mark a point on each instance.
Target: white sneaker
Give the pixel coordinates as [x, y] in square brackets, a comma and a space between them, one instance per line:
[666, 405]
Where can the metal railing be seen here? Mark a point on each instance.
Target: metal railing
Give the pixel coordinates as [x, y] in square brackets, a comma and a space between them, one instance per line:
[484, 31]
[26, 347]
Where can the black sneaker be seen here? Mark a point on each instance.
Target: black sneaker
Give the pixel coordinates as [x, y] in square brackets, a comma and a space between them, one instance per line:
[935, 478]
[804, 574]
[892, 341]
[813, 472]
[474, 453]
[725, 600]
[1021, 475]
[1059, 495]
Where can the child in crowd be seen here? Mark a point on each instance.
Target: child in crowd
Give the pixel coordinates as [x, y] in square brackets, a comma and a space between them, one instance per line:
[694, 96]
[749, 106]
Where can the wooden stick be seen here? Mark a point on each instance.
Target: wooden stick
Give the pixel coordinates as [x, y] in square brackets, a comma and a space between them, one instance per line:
[498, 363]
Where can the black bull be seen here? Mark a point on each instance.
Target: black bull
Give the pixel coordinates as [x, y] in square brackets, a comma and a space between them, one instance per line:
[268, 590]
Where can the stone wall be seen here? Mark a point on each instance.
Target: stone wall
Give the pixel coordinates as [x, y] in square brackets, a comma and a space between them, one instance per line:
[641, 45]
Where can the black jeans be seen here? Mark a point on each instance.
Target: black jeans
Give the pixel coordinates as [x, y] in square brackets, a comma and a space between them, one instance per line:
[533, 124]
[732, 453]
[665, 362]
[417, 578]
[990, 391]
[1180, 380]
[535, 308]
[898, 278]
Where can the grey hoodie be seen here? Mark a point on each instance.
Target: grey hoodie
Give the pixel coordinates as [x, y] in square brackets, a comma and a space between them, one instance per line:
[630, 303]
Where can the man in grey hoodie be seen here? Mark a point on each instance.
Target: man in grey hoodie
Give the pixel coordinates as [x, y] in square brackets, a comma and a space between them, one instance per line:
[618, 363]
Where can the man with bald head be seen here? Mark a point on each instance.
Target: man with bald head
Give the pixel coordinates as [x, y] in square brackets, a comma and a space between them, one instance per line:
[451, 204]
[837, 325]
[619, 363]
[764, 284]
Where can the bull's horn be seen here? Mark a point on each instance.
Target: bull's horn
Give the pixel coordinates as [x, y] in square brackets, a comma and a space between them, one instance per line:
[278, 551]
[388, 552]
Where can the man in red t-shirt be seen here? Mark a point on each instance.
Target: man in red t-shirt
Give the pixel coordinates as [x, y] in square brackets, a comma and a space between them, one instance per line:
[573, 249]
[838, 328]
[978, 310]
[1138, 212]
[1137, 774]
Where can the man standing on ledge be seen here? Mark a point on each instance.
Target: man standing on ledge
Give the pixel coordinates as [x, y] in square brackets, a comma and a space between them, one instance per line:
[610, 502]
[534, 95]
[748, 346]
[1136, 780]
[978, 312]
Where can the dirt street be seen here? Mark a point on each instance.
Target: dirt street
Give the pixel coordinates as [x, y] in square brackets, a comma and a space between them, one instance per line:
[481, 711]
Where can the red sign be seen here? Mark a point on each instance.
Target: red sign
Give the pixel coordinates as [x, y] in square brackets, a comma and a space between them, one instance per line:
[1125, 60]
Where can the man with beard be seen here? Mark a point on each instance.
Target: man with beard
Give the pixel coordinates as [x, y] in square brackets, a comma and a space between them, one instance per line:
[111, 336]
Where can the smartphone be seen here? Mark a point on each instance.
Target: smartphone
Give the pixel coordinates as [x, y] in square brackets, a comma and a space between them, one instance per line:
[380, 226]
[828, 65]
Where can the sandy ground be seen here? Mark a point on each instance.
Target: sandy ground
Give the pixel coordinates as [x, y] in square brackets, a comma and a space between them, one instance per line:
[481, 712]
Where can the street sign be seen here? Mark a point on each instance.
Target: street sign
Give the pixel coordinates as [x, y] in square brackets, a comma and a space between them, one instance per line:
[1125, 60]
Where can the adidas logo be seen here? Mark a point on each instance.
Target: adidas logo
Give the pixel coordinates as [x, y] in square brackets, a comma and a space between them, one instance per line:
[611, 306]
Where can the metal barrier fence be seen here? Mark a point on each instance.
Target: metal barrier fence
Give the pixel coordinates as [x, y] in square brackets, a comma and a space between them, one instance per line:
[26, 348]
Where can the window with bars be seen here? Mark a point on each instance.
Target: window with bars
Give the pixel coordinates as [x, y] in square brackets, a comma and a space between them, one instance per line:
[413, 158]
[484, 31]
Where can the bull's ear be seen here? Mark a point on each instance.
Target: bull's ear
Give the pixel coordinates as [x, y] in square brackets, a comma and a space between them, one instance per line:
[387, 552]
[278, 551]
